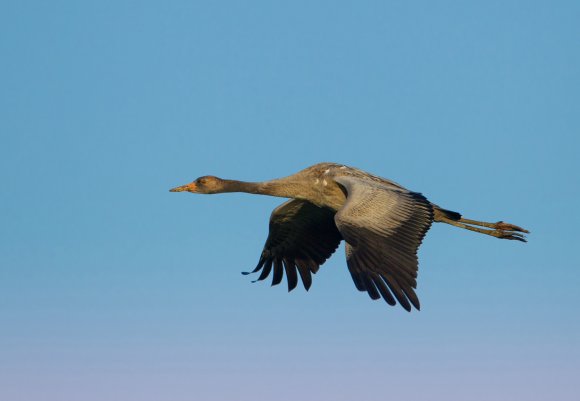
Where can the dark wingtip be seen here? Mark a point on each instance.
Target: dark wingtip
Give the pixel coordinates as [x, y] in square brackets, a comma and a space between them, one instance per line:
[417, 305]
[246, 273]
[292, 285]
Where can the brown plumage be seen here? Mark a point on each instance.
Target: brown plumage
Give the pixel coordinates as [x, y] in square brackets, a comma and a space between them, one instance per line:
[381, 222]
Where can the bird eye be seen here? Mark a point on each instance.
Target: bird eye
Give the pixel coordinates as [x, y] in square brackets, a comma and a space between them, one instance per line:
[202, 181]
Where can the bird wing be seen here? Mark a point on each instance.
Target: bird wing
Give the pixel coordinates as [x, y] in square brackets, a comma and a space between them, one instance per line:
[383, 226]
[302, 236]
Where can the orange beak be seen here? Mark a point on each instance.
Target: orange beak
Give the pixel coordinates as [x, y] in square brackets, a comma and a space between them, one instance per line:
[188, 187]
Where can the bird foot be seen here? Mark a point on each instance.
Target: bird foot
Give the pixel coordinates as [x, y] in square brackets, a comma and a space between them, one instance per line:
[499, 230]
[509, 231]
[500, 225]
[508, 234]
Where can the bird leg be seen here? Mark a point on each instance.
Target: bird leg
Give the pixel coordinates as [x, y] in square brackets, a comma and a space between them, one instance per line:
[499, 230]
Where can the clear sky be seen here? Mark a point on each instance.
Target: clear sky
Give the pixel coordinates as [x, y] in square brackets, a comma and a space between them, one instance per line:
[112, 288]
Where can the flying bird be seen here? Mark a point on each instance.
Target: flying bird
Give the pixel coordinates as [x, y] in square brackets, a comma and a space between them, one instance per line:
[381, 222]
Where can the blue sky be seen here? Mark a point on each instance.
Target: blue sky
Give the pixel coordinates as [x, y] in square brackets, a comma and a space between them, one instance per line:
[113, 288]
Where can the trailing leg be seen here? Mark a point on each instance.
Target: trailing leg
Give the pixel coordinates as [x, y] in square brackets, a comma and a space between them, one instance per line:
[499, 230]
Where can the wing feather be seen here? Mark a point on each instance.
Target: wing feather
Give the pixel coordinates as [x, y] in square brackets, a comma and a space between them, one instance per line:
[291, 274]
[383, 225]
[267, 269]
[278, 272]
[385, 293]
[304, 272]
[302, 237]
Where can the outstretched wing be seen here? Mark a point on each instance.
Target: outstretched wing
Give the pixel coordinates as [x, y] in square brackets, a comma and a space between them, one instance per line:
[383, 226]
[302, 236]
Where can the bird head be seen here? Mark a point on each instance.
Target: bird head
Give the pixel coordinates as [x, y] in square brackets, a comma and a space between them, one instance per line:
[208, 184]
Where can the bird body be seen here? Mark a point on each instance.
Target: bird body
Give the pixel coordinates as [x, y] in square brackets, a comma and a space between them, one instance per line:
[382, 223]
[321, 187]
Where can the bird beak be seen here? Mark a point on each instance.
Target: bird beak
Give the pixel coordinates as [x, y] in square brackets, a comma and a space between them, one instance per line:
[188, 187]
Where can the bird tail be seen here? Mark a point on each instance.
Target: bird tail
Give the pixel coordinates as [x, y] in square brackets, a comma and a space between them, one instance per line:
[439, 214]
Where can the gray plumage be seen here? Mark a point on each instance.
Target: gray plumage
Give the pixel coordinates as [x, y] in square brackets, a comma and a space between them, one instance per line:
[381, 222]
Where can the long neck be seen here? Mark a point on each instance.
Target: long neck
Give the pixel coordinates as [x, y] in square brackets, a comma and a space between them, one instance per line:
[283, 187]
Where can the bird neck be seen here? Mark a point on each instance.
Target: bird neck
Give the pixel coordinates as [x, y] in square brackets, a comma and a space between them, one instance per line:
[239, 186]
[282, 187]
